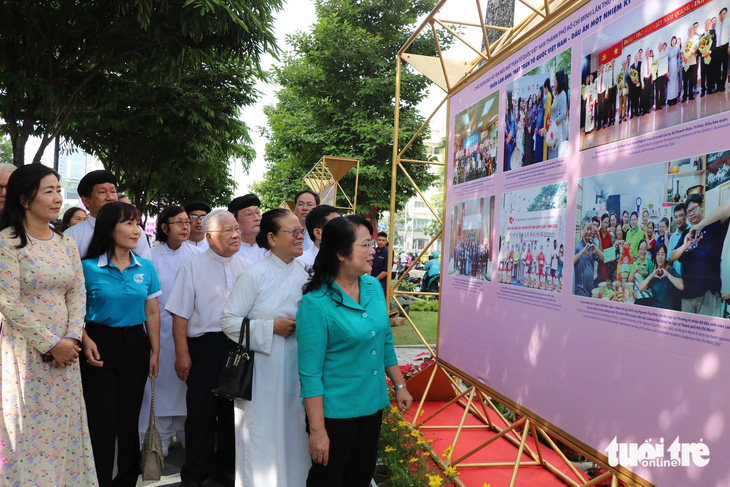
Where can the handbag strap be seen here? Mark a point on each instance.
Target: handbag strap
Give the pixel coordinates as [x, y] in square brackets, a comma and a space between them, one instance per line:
[245, 329]
[153, 416]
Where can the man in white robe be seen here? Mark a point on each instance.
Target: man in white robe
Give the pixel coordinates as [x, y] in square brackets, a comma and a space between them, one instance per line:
[196, 211]
[96, 189]
[316, 220]
[304, 202]
[247, 211]
[201, 287]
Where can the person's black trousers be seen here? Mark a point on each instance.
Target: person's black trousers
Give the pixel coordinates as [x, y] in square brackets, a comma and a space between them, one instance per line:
[353, 452]
[113, 395]
[689, 81]
[209, 430]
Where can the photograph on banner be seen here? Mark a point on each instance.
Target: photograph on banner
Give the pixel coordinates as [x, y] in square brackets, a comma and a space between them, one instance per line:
[471, 223]
[475, 140]
[537, 120]
[532, 237]
[661, 65]
[656, 235]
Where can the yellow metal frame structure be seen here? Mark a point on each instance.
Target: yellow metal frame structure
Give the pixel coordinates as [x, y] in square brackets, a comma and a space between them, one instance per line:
[477, 399]
[325, 176]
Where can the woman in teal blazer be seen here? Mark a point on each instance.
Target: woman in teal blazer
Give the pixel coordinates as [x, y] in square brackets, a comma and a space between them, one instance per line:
[345, 348]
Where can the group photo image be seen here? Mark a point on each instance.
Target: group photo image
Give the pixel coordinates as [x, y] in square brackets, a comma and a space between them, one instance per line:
[654, 68]
[656, 235]
[532, 237]
[471, 226]
[537, 114]
[475, 140]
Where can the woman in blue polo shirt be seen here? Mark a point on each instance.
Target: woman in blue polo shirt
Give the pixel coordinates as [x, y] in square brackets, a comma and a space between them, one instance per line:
[345, 347]
[121, 299]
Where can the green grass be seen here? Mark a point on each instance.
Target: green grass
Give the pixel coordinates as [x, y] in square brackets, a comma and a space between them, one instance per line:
[426, 321]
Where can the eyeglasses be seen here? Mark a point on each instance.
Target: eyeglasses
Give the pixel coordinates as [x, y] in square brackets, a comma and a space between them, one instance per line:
[296, 232]
[302, 204]
[693, 210]
[227, 231]
[368, 243]
[185, 223]
[196, 218]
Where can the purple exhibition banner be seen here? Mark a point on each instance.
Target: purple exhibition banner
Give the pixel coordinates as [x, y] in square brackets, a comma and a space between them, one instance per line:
[587, 253]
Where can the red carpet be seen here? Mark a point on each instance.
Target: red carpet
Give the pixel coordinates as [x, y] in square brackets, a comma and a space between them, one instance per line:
[501, 450]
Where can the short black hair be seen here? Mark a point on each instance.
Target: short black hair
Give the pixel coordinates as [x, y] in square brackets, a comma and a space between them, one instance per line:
[680, 206]
[316, 196]
[382, 234]
[317, 218]
[694, 198]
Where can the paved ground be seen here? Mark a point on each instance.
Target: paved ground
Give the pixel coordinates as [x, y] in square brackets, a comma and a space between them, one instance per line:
[176, 457]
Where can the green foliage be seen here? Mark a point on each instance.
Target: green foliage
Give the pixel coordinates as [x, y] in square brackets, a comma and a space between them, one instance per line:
[6, 151]
[50, 52]
[425, 305]
[427, 323]
[550, 196]
[337, 98]
[168, 137]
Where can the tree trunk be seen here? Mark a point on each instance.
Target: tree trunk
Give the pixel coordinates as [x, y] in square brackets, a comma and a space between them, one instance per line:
[500, 13]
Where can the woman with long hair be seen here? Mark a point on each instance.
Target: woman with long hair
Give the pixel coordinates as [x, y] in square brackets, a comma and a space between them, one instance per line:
[172, 251]
[509, 132]
[73, 216]
[122, 291]
[345, 350]
[548, 107]
[559, 112]
[44, 437]
[271, 441]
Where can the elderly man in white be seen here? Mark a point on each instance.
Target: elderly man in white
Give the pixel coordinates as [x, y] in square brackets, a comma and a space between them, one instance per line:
[201, 288]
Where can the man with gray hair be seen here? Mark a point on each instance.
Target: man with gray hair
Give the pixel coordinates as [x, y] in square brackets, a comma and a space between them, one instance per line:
[196, 302]
[585, 255]
[5, 171]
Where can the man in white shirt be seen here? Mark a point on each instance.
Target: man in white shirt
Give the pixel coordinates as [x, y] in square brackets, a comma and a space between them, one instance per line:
[689, 79]
[610, 75]
[316, 220]
[196, 211]
[201, 288]
[246, 210]
[96, 189]
[304, 202]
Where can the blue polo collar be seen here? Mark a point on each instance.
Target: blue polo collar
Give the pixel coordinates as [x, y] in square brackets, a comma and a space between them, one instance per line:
[105, 262]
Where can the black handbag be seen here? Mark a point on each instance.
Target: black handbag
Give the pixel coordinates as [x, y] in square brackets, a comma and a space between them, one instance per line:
[236, 377]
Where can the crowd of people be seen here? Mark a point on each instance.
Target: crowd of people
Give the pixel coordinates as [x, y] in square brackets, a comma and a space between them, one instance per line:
[90, 314]
[536, 124]
[476, 161]
[471, 259]
[532, 264]
[649, 80]
[652, 266]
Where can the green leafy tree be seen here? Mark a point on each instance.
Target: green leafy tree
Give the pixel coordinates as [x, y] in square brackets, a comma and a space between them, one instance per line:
[550, 197]
[6, 151]
[168, 136]
[337, 98]
[51, 51]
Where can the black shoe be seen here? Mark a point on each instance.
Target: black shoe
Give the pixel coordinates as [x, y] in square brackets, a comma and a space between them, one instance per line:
[225, 479]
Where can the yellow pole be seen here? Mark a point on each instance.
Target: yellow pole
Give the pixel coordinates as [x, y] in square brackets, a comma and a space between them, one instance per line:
[396, 162]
